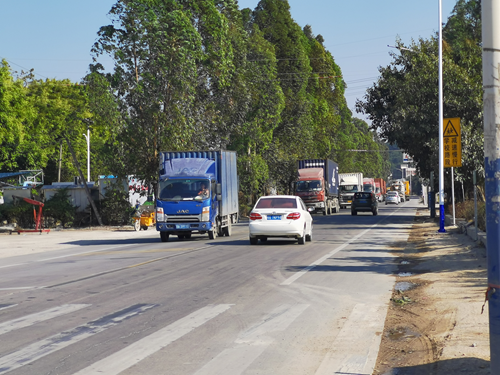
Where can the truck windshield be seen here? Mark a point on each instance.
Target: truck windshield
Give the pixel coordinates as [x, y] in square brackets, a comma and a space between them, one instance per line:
[368, 188]
[349, 188]
[309, 185]
[184, 189]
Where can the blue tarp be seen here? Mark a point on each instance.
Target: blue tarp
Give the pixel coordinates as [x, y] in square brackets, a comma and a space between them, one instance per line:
[12, 174]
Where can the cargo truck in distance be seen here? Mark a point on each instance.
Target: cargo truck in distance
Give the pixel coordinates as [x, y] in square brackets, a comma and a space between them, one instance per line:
[350, 183]
[407, 190]
[318, 185]
[399, 186]
[380, 189]
[369, 185]
[197, 193]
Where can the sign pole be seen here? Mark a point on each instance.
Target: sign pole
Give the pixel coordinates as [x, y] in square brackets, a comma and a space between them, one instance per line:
[453, 193]
[490, 16]
[441, 155]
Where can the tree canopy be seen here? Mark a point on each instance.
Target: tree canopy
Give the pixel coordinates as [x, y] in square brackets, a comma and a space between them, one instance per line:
[403, 104]
[198, 74]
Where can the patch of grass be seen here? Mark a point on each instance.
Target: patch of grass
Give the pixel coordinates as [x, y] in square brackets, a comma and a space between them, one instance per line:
[466, 210]
[403, 300]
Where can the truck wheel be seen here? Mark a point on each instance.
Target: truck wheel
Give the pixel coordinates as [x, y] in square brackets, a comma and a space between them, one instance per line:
[212, 234]
[227, 230]
[164, 236]
[354, 213]
[187, 236]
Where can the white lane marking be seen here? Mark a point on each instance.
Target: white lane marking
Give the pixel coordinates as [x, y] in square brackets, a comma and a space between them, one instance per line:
[355, 349]
[317, 262]
[251, 343]
[76, 254]
[38, 317]
[7, 306]
[23, 287]
[13, 265]
[132, 354]
[51, 344]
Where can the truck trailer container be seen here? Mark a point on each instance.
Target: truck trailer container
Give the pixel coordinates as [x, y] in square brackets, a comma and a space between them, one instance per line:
[197, 193]
[318, 185]
[380, 189]
[350, 183]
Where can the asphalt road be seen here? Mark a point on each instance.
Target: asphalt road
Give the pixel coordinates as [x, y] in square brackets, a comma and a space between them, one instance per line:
[139, 306]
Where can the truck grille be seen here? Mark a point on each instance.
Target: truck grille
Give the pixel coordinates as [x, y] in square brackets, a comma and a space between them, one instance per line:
[183, 219]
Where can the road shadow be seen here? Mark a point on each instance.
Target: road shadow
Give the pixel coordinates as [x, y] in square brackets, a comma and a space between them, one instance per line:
[465, 365]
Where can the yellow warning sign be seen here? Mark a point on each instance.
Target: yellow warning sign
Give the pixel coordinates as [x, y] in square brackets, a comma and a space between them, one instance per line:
[452, 143]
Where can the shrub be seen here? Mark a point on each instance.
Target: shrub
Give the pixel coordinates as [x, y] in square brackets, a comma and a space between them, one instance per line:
[19, 212]
[466, 210]
[115, 207]
[59, 208]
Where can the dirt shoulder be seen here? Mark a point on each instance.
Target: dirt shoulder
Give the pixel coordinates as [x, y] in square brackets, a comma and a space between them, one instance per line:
[434, 323]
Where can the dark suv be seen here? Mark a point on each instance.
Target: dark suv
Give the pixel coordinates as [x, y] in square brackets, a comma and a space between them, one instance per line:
[364, 201]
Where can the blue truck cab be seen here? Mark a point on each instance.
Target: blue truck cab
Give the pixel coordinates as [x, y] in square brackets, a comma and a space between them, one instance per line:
[197, 193]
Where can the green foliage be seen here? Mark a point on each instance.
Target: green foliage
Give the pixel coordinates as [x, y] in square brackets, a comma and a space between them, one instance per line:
[115, 208]
[59, 208]
[198, 74]
[465, 210]
[19, 212]
[402, 104]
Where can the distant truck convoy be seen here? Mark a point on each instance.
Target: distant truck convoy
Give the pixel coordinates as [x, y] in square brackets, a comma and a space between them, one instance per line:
[197, 193]
[318, 185]
[380, 189]
[350, 183]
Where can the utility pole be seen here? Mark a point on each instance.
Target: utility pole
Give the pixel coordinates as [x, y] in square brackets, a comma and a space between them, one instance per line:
[491, 86]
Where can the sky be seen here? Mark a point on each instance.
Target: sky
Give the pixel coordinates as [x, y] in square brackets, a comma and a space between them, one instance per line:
[54, 37]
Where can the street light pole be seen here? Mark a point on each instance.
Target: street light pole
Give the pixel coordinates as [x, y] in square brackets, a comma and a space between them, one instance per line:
[490, 10]
[441, 154]
[87, 137]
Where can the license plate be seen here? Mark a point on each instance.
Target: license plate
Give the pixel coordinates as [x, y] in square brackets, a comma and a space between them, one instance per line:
[363, 200]
[182, 226]
[274, 217]
[349, 201]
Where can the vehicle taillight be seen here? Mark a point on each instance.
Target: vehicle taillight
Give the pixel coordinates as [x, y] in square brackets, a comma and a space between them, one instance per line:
[255, 216]
[293, 216]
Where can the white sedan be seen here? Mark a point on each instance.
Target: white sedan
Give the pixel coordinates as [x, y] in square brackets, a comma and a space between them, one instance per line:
[280, 216]
[392, 197]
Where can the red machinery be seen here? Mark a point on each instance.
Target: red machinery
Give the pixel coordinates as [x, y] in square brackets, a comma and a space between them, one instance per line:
[38, 218]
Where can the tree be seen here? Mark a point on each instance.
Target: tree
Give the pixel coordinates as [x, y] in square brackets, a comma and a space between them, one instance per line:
[403, 104]
[292, 138]
[156, 50]
[253, 138]
[15, 116]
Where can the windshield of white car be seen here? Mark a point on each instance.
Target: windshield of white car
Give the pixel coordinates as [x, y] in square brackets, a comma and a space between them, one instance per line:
[184, 189]
[309, 185]
[276, 203]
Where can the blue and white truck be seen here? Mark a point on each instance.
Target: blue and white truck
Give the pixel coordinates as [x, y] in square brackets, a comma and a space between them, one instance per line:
[197, 193]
